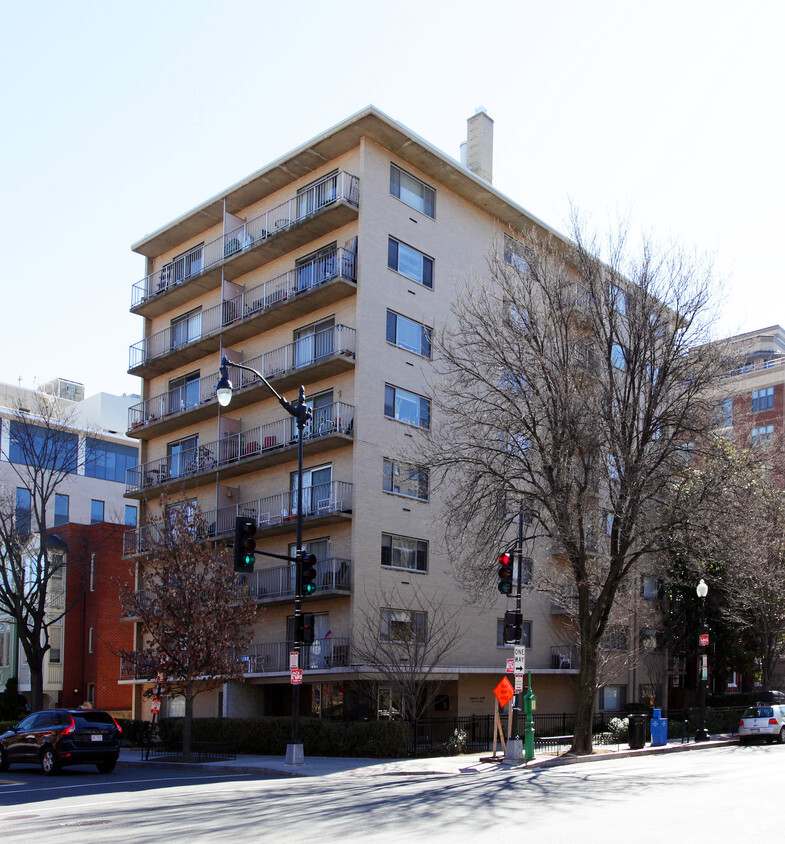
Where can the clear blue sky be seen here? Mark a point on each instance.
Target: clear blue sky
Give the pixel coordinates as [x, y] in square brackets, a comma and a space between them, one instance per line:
[119, 117]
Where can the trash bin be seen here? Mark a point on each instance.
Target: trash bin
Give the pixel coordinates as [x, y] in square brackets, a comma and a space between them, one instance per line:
[637, 730]
[659, 729]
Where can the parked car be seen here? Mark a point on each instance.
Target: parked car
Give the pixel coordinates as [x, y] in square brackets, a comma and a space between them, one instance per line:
[763, 721]
[58, 737]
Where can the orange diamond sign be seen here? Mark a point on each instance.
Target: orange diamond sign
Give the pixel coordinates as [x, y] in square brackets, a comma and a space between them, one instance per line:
[504, 692]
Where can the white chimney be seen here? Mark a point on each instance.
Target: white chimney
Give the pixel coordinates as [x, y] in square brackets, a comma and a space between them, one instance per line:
[479, 145]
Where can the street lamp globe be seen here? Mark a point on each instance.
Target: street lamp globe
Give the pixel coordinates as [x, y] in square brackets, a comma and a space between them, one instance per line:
[223, 389]
[702, 589]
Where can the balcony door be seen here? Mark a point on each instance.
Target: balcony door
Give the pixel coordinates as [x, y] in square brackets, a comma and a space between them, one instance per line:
[314, 342]
[316, 490]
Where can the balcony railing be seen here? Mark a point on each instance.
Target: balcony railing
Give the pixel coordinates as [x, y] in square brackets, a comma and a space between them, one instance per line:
[54, 674]
[292, 212]
[314, 349]
[338, 263]
[331, 652]
[332, 575]
[565, 657]
[746, 368]
[319, 501]
[236, 449]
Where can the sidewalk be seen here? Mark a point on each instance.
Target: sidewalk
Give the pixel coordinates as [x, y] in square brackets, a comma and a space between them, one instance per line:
[469, 763]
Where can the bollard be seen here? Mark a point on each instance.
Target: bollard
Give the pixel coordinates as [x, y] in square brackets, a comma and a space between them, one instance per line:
[686, 732]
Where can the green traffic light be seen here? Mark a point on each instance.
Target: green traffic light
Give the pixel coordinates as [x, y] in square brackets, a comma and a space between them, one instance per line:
[309, 588]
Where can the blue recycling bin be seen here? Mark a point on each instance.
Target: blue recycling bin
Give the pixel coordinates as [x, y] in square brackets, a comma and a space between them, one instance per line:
[659, 729]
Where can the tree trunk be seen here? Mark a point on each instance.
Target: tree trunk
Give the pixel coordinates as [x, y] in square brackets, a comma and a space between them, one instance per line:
[36, 685]
[188, 723]
[584, 716]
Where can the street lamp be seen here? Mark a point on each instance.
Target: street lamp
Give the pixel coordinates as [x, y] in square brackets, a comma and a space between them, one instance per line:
[702, 734]
[301, 414]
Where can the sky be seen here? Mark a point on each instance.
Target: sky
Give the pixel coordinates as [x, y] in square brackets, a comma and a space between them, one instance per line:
[117, 118]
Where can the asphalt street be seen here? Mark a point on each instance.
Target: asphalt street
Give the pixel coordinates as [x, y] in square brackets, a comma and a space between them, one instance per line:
[724, 792]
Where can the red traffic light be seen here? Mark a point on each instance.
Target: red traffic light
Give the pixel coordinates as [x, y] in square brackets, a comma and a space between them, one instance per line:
[505, 573]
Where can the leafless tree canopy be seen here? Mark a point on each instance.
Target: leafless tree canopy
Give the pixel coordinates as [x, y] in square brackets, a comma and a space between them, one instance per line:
[405, 641]
[194, 622]
[580, 385]
[44, 452]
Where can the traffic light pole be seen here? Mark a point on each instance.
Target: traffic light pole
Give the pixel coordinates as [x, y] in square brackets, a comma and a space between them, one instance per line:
[518, 611]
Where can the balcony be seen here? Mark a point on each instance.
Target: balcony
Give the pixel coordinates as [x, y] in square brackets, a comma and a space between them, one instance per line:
[237, 454]
[323, 504]
[320, 355]
[322, 655]
[327, 205]
[276, 585]
[565, 657]
[325, 280]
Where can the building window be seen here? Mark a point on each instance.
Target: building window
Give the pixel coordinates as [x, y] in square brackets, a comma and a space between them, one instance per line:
[526, 634]
[408, 334]
[515, 254]
[90, 640]
[314, 342]
[61, 509]
[54, 449]
[403, 626]
[92, 572]
[181, 455]
[410, 262]
[184, 392]
[130, 515]
[651, 588]
[616, 639]
[186, 328]
[23, 507]
[405, 479]
[727, 412]
[5, 644]
[316, 268]
[761, 399]
[91, 693]
[406, 407]
[55, 644]
[649, 640]
[314, 196]
[612, 698]
[96, 511]
[619, 356]
[404, 552]
[618, 298]
[317, 490]
[109, 461]
[412, 191]
[762, 434]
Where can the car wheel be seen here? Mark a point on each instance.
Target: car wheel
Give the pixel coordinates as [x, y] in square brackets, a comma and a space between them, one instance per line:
[107, 766]
[781, 736]
[50, 764]
[3, 760]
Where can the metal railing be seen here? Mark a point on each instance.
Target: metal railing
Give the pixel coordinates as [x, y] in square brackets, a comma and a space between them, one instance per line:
[318, 500]
[746, 368]
[330, 652]
[337, 263]
[337, 341]
[565, 657]
[291, 212]
[335, 418]
[332, 574]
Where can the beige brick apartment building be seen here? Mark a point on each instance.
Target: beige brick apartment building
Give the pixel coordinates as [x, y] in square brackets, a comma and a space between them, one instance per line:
[330, 268]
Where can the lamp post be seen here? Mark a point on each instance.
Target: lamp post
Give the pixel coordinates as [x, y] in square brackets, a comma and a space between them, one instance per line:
[702, 734]
[301, 414]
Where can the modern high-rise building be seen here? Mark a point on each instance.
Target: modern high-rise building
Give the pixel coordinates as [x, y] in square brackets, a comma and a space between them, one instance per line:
[330, 268]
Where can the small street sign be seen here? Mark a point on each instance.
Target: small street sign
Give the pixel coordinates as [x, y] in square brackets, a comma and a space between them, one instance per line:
[518, 683]
[504, 692]
[510, 665]
[703, 639]
[520, 659]
[297, 676]
[294, 659]
[160, 678]
[155, 706]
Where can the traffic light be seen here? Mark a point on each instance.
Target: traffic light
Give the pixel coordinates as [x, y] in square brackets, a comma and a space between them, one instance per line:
[244, 543]
[505, 572]
[304, 628]
[308, 573]
[513, 627]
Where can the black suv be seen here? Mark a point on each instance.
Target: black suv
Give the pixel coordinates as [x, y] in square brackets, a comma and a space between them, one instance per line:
[60, 737]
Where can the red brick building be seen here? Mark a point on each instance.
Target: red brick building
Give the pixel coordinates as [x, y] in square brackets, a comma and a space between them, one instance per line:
[93, 629]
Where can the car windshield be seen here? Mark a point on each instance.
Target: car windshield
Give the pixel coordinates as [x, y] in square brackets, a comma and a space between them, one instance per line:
[88, 720]
[759, 712]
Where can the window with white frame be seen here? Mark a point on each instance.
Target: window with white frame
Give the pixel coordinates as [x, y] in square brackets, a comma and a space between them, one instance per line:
[410, 262]
[526, 634]
[405, 626]
[762, 399]
[5, 644]
[404, 552]
[412, 191]
[405, 479]
[762, 434]
[408, 334]
[406, 406]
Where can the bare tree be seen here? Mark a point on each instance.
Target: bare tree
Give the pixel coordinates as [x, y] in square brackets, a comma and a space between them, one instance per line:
[580, 384]
[405, 641]
[194, 621]
[44, 451]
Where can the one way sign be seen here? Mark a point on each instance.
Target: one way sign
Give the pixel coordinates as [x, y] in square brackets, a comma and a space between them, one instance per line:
[519, 660]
